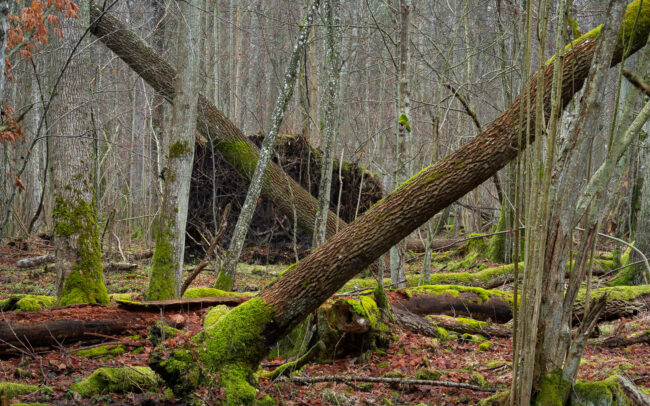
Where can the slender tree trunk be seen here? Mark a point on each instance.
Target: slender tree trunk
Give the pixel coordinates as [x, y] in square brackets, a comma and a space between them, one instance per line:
[243, 336]
[327, 163]
[76, 237]
[167, 269]
[227, 275]
[228, 140]
[403, 130]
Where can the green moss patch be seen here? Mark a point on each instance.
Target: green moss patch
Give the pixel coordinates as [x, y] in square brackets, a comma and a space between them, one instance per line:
[428, 374]
[456, 290]
[118, 380]
[234, 346]
[27, 303]
[606, 392]
[74, 218]
[10, 390]
[102, 351]
[552, 390]
[161, 331]
[214, 314]
[208, 292]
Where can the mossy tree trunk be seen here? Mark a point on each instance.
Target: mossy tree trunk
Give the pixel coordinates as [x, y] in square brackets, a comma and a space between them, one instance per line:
[241, 339]
[228, 140]
[167, 269]
[76, 238]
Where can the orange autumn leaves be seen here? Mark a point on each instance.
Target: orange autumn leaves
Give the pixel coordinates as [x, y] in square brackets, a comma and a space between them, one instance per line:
[25, 33]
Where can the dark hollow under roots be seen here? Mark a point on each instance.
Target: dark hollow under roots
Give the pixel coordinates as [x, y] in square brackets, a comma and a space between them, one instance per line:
[215, 184]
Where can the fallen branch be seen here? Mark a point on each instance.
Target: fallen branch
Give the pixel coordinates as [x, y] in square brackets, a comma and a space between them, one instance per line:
[180, 304]
[400, 381]
[34, 262]
[633, 392]
[637, 82]
[624, 341]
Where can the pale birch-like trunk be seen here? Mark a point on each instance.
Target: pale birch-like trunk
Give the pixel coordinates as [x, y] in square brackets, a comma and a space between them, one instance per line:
[167, 269]
[226, 276]
[329, 138]
[79, 270]
[400, 170]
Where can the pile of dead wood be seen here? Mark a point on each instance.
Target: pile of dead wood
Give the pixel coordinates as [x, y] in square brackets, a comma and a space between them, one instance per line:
[215, 184]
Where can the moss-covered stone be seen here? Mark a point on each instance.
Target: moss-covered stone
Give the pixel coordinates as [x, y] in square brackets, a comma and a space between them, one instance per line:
[214, 314]
[120, 296]
[77, 219]
[428, 374]
[9, 390]
[485, 346]
[118, 380]
[477, 379]
[102, 351]
[208, 292]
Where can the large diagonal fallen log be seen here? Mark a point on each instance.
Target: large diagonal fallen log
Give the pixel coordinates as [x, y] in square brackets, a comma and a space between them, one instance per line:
[227, 139]
[239, 341]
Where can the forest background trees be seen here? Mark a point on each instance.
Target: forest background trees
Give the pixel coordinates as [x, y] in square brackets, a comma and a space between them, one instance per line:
[393, 87]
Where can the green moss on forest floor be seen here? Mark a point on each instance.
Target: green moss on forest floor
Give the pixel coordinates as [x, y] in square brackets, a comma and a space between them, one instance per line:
[125, 379]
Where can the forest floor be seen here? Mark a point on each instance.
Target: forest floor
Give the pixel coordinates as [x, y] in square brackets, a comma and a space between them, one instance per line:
[455, 360]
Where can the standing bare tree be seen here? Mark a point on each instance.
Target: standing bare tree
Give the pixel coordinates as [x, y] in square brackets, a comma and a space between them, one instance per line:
[333, 70]
[167, 269]
[226, 276]
[400, 167]
[79, 270]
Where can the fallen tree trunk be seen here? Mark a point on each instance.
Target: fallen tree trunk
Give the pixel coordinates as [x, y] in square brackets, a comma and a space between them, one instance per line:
[33, 262]
[241, 339]
[624, 341]
[227, 139]
[180, 304]
[24, 337]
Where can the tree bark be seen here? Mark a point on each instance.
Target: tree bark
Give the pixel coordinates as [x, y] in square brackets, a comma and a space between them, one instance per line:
[228, 140]
[76, 237]
[167, 269]
[226, 277]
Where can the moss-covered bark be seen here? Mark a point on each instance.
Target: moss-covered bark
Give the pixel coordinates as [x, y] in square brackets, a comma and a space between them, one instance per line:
[162, 281]
[79, 257]
[495, 250]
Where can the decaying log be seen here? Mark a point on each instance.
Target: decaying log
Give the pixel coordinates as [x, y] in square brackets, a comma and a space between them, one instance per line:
[25, 337]
[33, 262]
[180, 304]
[374, 379]
[120, 266]
[414, 323]
[141, 255]
[470, 326]
[624, 341]
[465, 303]
[636, 395]
[418, 247]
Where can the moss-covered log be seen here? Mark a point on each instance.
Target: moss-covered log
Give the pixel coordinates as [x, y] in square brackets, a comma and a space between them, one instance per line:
[227, 139]
[235, 345]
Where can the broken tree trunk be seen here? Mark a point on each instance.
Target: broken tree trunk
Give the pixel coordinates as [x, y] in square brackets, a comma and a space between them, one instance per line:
[227, 139]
